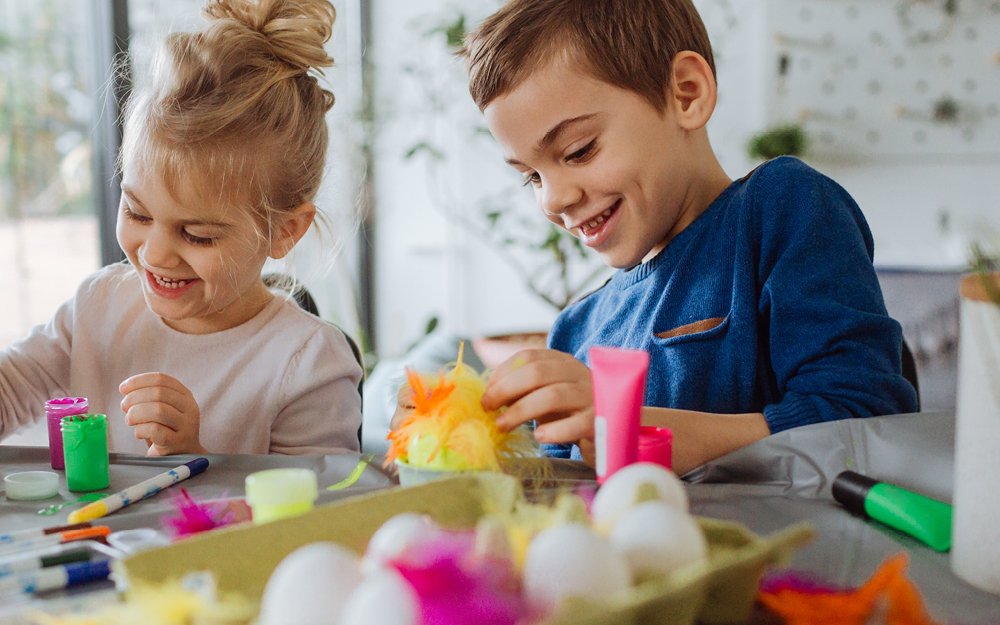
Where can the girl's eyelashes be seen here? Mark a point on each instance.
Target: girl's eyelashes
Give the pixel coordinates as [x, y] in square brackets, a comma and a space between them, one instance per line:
[196, 240]
[187, 236]
[532, 178]
[131, 216]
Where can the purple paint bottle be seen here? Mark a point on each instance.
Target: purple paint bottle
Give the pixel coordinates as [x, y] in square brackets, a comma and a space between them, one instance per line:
[55, 410]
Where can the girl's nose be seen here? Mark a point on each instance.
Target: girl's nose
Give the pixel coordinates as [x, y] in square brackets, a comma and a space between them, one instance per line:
[559, 194]
[157, 252]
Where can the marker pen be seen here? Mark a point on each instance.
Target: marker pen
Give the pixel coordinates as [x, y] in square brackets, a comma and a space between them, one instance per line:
[26, 563]
[925, 519]
[55, 539]
[62, 576]
[35, 532]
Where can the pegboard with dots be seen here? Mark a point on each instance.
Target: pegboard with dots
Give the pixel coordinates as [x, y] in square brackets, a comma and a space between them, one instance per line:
[889, 78]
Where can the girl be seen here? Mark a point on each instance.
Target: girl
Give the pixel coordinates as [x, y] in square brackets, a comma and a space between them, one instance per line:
[183, 347]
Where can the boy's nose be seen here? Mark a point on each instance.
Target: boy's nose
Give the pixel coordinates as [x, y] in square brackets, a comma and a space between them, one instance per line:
[559, 194]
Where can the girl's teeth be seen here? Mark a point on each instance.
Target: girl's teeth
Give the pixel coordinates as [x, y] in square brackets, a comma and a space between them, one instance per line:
[607, 213]
[592, 224]
[170, 284]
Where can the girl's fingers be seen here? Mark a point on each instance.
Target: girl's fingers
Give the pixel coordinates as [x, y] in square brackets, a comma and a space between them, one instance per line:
[155, 413]
[153, 433]
[144, 380]
[158, 394]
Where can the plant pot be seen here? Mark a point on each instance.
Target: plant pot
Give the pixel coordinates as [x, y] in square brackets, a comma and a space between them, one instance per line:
[975, 554]
[493, 350]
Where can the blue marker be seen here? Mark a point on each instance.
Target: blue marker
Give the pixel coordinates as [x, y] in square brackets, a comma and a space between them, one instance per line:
[140, 491]
[55, 577]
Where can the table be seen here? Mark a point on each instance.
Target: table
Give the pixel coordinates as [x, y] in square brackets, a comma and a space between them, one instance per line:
[781, 480]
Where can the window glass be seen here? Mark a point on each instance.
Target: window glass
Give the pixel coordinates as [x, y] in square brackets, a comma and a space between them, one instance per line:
[48, 227]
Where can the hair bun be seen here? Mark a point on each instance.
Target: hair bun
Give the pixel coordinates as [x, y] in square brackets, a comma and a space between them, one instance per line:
[295, 30]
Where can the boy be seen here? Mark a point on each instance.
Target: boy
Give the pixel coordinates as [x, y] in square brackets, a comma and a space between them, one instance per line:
[756, 300]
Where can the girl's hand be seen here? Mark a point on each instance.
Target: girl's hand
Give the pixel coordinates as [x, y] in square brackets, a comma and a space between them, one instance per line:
[163, 412]
[550, 387]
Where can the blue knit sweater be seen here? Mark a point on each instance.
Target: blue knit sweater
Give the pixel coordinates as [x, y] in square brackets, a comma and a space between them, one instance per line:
[768, 302]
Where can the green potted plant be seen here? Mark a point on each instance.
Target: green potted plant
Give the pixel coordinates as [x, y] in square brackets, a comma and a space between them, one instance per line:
[976, 497]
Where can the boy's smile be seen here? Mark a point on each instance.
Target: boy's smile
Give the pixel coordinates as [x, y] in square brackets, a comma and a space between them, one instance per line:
[605, 164]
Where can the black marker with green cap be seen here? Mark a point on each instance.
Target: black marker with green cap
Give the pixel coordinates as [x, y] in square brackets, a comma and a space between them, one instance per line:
[926, 519]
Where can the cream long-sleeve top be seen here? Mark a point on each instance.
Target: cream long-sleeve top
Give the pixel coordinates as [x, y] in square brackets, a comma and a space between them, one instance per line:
[283, 382]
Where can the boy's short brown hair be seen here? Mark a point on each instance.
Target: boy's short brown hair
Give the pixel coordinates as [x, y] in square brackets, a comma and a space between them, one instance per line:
[627, 43]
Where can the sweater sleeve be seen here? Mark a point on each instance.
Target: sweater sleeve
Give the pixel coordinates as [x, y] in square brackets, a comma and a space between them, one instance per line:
[34, 370]
[834, 350]
[322, 406]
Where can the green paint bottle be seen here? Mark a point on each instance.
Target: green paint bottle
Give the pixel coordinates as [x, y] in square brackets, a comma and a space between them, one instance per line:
[85, 447]
[926, 519]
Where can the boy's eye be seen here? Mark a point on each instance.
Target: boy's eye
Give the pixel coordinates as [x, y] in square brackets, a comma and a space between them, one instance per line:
[583, 152]
[533, 178]
[142, 219]
[197, 240]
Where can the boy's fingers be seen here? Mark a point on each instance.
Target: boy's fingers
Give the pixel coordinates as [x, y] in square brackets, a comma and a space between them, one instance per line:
[533, 376]
[518, 360]
[544, 403]
[144, 380]
[569, 430]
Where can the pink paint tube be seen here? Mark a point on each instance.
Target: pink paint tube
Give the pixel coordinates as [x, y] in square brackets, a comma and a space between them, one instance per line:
[619, 384]
[55, 410]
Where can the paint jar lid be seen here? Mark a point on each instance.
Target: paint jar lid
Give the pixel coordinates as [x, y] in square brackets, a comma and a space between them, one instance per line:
[32, 485]
[136, 540]
[656, 445]
[66, 406]
[279, 487]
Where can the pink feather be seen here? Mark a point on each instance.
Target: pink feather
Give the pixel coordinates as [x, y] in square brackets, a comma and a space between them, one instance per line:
[194, 516]
[455, 588]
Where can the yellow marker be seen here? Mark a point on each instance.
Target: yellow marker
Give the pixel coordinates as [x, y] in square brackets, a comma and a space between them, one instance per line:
[90, 511]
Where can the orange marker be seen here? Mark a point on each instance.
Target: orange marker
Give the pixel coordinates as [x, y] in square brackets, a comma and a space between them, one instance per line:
[58, 538]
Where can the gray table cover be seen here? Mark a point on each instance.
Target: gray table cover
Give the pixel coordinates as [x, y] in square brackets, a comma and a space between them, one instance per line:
[778, 481]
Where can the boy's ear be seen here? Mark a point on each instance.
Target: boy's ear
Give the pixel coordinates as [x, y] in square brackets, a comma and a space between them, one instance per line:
[692, 90]
[292, 227]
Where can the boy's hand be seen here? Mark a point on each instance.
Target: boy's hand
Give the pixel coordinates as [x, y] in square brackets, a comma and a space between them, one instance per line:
[163, 412]
[550, 387]
[404, 405]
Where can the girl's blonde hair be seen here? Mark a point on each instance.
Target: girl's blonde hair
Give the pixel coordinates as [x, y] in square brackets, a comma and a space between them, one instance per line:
[233, 110]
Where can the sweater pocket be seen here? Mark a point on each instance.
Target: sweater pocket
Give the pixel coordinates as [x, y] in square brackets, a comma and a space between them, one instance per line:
[697, 331]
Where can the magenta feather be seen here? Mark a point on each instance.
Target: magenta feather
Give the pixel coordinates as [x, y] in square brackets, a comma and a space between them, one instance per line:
[194, 516]
[456, 588]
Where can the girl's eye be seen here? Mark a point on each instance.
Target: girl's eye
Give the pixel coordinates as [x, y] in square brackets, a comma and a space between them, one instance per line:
[142, 219]
[583, 152]
[533, 179]
[196, 240]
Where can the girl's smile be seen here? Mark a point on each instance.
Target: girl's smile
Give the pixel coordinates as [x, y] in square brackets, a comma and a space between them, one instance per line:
[199, 262]
[168, 287]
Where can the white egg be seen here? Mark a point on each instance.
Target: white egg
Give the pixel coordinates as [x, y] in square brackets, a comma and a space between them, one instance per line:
[658, 539]
[571, 560]
[384, 598]
[310, 586]
[396, 536]
[618, 494]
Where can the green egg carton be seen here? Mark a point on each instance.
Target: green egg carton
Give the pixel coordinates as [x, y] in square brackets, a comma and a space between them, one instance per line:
[242, 557]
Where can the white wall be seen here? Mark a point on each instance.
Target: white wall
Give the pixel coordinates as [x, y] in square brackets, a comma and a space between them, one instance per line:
[428, 266]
